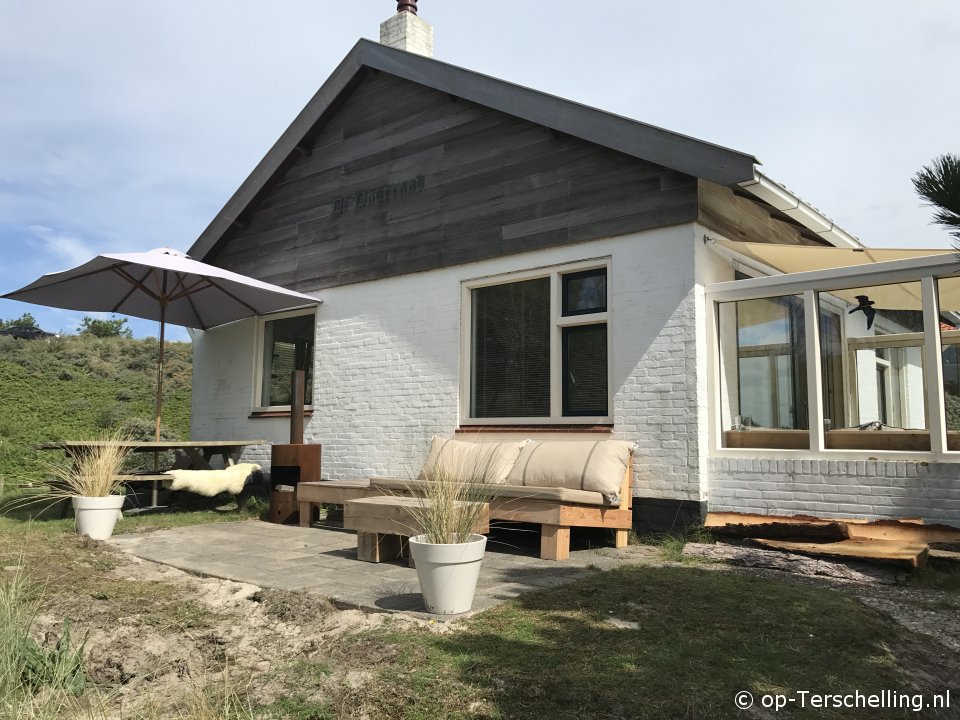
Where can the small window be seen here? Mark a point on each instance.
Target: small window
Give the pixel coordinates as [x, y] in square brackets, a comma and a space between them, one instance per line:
[585, 292]
[288, 345]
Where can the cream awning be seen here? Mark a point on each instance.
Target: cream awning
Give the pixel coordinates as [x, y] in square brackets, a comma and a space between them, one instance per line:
[803, 258]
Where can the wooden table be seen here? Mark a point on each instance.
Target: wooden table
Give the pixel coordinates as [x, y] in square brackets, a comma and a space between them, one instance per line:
[384, 523]
[199, 452]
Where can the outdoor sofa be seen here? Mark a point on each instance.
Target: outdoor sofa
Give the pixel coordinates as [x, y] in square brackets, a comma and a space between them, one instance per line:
[555, 484]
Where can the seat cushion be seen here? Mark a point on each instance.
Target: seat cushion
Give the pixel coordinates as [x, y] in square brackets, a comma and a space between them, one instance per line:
[476, 462]
[549, 494]
[587, 465]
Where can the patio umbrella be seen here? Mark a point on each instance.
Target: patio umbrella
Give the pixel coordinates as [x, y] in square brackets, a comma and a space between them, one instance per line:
[164, 285]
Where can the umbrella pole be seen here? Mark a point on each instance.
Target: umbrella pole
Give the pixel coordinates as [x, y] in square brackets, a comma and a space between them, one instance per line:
[163, 317]
[156, 455]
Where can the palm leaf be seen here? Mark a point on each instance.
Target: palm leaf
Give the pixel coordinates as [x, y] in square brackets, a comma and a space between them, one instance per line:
[939, 184]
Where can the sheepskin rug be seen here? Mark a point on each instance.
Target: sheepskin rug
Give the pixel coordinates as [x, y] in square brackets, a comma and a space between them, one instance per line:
[213, 482]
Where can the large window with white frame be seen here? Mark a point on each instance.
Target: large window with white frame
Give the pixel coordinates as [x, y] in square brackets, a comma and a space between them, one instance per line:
[537, 347]
[285, 343]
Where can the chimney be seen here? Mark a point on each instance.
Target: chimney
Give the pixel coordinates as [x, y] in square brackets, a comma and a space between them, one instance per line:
[408, 31]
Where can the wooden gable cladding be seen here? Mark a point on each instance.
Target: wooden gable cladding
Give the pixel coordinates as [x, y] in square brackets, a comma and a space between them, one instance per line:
[440, 181]
[748, 220]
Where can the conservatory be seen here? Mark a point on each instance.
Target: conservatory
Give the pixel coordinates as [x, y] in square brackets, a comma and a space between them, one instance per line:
[852, 361]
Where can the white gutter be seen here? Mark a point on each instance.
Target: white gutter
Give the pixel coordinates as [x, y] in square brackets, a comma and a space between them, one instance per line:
[792, 206]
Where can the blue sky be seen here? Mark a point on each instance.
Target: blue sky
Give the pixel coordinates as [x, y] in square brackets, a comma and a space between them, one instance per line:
[126, 126]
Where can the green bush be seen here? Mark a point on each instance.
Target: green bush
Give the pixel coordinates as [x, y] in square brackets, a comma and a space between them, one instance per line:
[75, 387]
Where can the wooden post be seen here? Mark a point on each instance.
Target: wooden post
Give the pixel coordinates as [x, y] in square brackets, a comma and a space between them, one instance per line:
[554, 542]
[297, 389]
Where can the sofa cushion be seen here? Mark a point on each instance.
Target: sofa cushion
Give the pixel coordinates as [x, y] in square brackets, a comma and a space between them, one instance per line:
[477, 462]
[550, 494]
[593, 466]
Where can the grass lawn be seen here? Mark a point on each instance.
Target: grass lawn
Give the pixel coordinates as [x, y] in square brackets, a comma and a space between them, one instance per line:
[648, 641]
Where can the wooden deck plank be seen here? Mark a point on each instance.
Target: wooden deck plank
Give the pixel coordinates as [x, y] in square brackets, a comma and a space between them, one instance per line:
[909, 554]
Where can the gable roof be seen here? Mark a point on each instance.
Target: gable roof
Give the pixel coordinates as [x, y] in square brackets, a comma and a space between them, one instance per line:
[663, 147]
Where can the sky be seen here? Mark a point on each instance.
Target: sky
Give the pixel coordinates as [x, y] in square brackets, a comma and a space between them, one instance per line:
[127, 125]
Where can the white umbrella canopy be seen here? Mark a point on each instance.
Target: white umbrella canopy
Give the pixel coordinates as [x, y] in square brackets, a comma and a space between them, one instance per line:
[164, 285]
[161, 284]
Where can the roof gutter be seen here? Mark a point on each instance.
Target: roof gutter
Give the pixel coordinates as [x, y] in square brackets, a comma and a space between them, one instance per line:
[778, 196]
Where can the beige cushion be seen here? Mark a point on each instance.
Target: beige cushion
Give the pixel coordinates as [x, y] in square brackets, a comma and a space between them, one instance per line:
[550, 494]
[594, 466]
[475, 462]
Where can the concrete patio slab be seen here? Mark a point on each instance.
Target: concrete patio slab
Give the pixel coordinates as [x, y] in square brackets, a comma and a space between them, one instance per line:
[324, 561]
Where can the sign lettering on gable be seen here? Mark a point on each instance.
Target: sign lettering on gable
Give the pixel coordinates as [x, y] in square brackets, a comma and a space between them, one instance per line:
[375, 197]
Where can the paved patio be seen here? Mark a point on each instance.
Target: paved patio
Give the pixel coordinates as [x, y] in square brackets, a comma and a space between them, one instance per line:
[324, 561]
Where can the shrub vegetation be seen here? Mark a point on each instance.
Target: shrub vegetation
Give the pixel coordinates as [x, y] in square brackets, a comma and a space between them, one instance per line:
[77, 387]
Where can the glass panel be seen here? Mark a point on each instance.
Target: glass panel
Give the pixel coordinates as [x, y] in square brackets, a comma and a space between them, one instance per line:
[884, 327]
[883, 331]
[585, 292]
[831, 368]
[511, 350]
[585, 370]
[949, 292]
[763, 372]
[287, 346]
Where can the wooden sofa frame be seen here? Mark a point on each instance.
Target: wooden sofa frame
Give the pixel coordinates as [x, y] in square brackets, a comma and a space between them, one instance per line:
[555, 518]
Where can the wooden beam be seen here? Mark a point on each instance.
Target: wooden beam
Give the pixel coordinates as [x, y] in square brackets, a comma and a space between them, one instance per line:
[909, 554]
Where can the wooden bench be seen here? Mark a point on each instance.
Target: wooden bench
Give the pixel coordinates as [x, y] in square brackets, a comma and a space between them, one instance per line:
[384, 523]
[329, 492]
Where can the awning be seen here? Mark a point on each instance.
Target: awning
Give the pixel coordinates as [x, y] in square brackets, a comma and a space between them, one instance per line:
[803, 258]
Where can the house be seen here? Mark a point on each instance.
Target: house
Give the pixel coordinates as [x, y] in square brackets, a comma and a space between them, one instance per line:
[496, 262]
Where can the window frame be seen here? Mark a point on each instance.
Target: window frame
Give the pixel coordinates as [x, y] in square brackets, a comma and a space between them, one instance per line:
[557, 322]
[260, 335]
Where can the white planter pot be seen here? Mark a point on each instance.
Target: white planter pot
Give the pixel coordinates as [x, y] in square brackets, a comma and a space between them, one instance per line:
[96, 516]
[448, 573]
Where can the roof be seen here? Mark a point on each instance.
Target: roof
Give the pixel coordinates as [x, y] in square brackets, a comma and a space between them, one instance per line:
[663, 147]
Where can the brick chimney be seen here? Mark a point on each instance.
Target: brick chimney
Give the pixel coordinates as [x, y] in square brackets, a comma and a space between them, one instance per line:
[408, 31]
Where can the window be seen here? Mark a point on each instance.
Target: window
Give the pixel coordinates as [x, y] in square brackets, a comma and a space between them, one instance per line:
[287, 344]
[764, 364]
[538, 347]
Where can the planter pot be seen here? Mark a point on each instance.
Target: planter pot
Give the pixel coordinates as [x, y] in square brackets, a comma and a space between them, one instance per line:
[96, 516]
[448, 573]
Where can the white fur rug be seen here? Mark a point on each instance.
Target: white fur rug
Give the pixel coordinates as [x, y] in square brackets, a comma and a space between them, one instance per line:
[213, 482]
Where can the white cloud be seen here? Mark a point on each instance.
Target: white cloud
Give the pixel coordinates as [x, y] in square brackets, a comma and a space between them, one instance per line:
[63, 247]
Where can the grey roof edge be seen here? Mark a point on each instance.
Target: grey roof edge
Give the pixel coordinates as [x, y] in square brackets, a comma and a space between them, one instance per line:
[648, 142]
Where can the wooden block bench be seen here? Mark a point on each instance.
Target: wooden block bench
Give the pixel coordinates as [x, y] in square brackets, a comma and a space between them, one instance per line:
[384, 523]
[329, 492]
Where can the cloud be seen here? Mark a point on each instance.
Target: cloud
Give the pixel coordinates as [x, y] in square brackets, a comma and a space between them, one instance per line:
[63, 247]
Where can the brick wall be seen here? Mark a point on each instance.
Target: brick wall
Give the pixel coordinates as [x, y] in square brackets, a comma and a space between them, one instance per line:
[837, 488]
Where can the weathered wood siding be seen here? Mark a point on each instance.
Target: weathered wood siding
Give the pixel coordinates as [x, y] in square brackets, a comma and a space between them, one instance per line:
[484, 184]
[740, 218]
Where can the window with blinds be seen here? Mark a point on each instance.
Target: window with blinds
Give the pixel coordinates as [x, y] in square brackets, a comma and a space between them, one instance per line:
[287, 346]
[538, 339]
[511, 350]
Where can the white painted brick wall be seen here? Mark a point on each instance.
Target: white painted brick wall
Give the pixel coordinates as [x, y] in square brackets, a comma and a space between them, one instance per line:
[388, 354]
[837, 488]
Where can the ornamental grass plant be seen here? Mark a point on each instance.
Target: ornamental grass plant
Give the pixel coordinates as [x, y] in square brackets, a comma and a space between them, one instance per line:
[96, 472]
[452, 503]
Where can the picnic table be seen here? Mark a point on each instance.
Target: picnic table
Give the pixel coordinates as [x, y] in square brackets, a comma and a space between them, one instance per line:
[199, 453]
